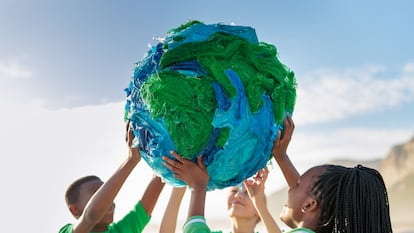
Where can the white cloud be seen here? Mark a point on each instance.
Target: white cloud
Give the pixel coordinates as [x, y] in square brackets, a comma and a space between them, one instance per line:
[46, 149]
[350, 143]
[53, 147]
[14, 70]
[326, 95]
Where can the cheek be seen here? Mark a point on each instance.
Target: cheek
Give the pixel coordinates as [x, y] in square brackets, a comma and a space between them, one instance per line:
[228, 205]
[295, 197]
[251, 208]
[230, 199]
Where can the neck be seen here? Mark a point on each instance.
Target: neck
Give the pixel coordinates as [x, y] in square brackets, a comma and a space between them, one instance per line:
[100, 229]
[243, 225]
[307, 224]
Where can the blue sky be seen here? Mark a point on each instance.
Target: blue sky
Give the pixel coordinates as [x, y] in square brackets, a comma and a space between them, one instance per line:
[64, 65]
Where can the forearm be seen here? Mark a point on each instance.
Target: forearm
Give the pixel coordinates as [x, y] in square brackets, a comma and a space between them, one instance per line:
[151, 194]
[169, 220]
[288, 169]
[266, 217]
[104, 197]
[197, 202]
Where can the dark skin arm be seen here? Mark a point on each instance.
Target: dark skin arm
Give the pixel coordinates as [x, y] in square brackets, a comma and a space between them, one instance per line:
[103, 199]
[279, 149]
[151, 194]
[195, 176]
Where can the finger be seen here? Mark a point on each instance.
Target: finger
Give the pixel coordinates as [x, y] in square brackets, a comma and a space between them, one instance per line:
[127, 131]
[291, 123]
[265, 174]
[286, 122]
[177, 156]
[247, 183]
[177, 176]
[200, 162]
[276, 141]
[169, 167]
[259, 173]
[290, 119]
[130, 137]
[172, 164]
[130, 132]
[127, 126]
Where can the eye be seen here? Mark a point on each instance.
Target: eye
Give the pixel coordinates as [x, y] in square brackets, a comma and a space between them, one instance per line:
[234, 191]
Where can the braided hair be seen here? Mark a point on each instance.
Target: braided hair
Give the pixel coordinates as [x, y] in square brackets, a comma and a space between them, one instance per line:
[351, 200]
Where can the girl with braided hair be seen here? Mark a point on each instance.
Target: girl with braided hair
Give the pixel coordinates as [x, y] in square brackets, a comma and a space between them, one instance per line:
[332, 198]
[325, 199]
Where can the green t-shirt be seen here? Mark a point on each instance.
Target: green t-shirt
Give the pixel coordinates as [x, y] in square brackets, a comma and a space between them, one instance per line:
[133, 222]
[197, 224]
[300, 230]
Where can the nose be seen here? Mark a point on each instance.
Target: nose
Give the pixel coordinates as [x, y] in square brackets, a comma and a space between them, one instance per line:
[238, 195]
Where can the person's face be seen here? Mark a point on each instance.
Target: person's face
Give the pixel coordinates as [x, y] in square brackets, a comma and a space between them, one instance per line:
[299, 198]
[239, 204]
[85, 193]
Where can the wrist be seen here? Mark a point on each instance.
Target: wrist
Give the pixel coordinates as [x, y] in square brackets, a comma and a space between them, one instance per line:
[199, 188]
[280, 156]
[134, 155]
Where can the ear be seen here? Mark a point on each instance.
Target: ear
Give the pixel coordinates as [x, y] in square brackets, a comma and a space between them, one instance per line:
[75, 210]
[309, 206]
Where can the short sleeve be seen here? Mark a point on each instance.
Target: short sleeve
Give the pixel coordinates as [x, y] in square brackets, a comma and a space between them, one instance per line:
[134, 221]
[300, 230]
[196, 224]
[66, 229]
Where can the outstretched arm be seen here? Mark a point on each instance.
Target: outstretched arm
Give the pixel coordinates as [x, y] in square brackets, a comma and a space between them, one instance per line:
[196, 177]
[151, 194]
[279, 149]
[169, 220]
[102, 200]
[255, 189]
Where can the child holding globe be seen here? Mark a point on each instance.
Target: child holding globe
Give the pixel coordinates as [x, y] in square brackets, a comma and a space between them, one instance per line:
[326, 198]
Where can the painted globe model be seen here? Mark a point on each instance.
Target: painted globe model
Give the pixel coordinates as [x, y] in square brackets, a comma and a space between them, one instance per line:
[213, 91]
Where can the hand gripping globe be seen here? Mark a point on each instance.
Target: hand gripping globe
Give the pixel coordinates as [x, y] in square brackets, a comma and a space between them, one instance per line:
[210, 90]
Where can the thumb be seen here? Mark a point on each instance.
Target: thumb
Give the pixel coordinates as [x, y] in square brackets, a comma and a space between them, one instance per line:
[200, 162]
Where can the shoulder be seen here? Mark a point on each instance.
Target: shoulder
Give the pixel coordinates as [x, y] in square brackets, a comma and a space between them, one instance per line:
[137, 218]
[300, 230]
[66, 229]
[139, 209]
[196, 224]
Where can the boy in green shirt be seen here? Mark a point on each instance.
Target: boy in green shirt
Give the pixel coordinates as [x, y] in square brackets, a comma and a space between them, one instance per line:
[91, 201]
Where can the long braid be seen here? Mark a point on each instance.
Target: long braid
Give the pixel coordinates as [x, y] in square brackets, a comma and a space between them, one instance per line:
[352, 200]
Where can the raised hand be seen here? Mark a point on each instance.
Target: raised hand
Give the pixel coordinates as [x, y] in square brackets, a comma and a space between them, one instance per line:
[281, 143]
[256, 185]
[195, 175]
[129, 138]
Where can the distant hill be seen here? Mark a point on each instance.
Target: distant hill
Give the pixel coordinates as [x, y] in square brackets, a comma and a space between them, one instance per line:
[397, 170]
[399, 163]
